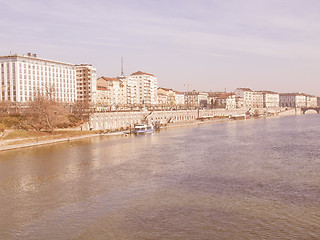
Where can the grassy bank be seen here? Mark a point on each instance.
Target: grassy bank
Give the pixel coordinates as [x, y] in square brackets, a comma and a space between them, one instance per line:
[13, 137]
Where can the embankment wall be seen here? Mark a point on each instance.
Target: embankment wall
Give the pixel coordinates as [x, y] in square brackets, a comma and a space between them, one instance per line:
[117, 120]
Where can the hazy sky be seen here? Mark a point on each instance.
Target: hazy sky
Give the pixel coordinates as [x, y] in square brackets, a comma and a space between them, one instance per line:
[208, 44]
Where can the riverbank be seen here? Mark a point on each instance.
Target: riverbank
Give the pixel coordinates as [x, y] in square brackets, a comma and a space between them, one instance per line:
[72, 135]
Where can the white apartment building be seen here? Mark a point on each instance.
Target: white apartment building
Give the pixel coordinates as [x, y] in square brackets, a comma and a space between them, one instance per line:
[86, 83]
[257, 99]
[239, 102]
[162, 99]
[116, 90]
[246, 94]
[311, 101]
[141, 88]
[179, 98]
[21, 76]
[270, 99]
[169, 93]
[292, 100]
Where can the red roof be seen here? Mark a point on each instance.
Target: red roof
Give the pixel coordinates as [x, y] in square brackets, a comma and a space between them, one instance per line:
[166, 89]
[142, 73]
[110, 79]
[245, 89]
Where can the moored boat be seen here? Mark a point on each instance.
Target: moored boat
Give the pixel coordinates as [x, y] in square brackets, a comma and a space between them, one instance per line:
[143, 129]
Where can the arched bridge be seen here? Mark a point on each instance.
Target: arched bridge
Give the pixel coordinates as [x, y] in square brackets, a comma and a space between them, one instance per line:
[304, 109]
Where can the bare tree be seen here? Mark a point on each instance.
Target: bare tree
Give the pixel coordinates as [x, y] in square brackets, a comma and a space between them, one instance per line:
[5, 107]
[81, 109]
[45, 113]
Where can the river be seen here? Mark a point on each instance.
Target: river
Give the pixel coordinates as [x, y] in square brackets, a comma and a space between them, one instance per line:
[250, 179]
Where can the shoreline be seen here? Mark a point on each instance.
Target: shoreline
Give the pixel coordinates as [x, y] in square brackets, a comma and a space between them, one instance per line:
[169, 126]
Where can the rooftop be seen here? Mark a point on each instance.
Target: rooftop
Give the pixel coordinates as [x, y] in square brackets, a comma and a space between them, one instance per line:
[34, 57]
[110, 79]
[245, 89]
[142, 73]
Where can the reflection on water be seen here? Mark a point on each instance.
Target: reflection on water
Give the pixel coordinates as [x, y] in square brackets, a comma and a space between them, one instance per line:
[254, 179]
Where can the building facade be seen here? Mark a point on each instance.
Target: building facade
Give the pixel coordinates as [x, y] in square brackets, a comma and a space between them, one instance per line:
[22, 76]
[311, 101]
[179, 98]
[246, 94]
[116, 90]
[257, 99]
[222, 100]
[170, 96]
[270, 99]
[293, 100]
[141, 88]
[103, 99]
[86, 84]
[196, 99]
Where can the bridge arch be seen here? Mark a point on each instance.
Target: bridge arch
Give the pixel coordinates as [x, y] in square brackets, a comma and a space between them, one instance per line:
[316, 109]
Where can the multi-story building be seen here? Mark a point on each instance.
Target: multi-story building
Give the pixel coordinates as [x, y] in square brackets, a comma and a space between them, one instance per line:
[179, 98]
[103, 99]
[116, 90]
[222, 100]
[311, 101]
[141, 88]
[196, 99]
[257, 99]
[170, 96]
[22, 76]
[270, 99]
[162, 99]
[292, 100]
[239, 102]
[246, 94]
[86, 84]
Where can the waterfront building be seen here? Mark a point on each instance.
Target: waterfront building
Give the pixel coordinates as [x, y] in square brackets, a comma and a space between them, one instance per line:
[211, 99]
[292, 100]
[196, 99]
[162, 99]
[86, 84]
[170, 99]
[246, 94]
[222, 100]
[22, 76]
[103, 99]
[116, 90]
[141, 88]
[239, 102]
[311, 101]
[257, 99]
[179, 98]
[270, 99]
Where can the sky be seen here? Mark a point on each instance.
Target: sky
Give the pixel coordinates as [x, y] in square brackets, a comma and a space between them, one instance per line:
[206, 45]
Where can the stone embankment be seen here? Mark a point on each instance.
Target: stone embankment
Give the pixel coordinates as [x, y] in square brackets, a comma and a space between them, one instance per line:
[123, 120]
[116, 120]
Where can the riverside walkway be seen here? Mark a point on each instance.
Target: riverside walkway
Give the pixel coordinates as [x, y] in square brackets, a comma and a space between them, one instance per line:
[45, 142]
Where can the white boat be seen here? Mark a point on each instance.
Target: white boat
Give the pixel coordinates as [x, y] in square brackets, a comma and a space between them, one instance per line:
[143, 128]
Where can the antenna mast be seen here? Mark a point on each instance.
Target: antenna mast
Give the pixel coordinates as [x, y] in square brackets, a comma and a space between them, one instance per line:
[121, 66]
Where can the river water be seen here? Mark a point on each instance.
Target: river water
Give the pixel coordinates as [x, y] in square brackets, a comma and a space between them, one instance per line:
[251, 179]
